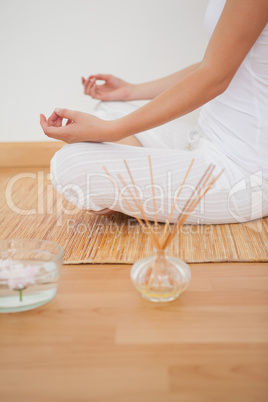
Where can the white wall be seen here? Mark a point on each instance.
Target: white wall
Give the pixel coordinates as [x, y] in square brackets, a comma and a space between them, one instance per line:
[46, 46]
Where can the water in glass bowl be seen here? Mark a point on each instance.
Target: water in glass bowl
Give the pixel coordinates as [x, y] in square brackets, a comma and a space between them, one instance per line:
[32, 292]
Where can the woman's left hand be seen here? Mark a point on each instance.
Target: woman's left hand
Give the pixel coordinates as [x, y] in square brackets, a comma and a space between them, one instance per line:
[79, 127]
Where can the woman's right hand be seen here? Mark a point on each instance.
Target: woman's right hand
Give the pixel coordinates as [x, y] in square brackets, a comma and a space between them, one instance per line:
[113, 88]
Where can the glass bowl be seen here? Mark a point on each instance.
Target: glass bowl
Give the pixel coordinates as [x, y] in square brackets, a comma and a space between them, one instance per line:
[29, 273]
[160, 278]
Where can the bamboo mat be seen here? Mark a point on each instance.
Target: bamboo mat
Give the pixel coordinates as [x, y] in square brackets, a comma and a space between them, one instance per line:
[31, 208]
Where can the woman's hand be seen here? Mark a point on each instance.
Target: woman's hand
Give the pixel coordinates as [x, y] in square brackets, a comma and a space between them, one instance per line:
[79, 127]
[113, 89]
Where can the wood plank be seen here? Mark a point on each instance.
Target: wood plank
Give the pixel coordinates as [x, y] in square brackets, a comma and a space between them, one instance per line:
[27, 154]
[98, 340]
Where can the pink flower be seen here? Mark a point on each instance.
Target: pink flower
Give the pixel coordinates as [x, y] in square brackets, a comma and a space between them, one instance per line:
[17, 275]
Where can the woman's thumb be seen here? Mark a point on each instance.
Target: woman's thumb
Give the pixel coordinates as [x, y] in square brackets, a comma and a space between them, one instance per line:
[66, 113]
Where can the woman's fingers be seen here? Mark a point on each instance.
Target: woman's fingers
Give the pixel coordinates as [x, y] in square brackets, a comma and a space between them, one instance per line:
[61, 133]
[53, 117]
[50, 131]
[98, 92]
[66, 114]
[103, 77]
[69, 121]
[89, 85]
[93, 90]
[84, 82]
[54, 120]
[87, 82]
[43, 120]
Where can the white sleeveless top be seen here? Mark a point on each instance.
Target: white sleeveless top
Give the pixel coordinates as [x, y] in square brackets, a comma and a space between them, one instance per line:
[237, 120]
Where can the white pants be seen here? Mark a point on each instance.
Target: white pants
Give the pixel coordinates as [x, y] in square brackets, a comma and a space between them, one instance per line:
[77, 172]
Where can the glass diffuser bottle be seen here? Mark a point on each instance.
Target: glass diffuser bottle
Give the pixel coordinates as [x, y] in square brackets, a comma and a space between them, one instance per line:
[160, 278]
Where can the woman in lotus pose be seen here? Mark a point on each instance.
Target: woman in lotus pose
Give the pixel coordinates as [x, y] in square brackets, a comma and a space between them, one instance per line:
[231, 85]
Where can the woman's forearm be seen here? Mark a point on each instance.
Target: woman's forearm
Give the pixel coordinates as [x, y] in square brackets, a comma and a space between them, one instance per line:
[191, 92]
[149, 90]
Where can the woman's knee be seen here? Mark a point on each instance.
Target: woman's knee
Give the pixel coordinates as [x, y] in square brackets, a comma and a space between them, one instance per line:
[77, 173]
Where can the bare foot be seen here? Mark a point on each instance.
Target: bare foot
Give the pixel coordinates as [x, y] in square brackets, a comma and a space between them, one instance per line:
[105, 211]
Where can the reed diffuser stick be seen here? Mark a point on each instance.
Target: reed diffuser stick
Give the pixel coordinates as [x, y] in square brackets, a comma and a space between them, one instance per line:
[155, 222]
[152, 182]
[130, 206]
[191, 208]
[139, 201]
[202, 195]
[208, 172]
[139, 206]
[175, 202]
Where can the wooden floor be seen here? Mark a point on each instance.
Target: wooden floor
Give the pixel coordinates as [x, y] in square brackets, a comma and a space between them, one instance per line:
[98, 340]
